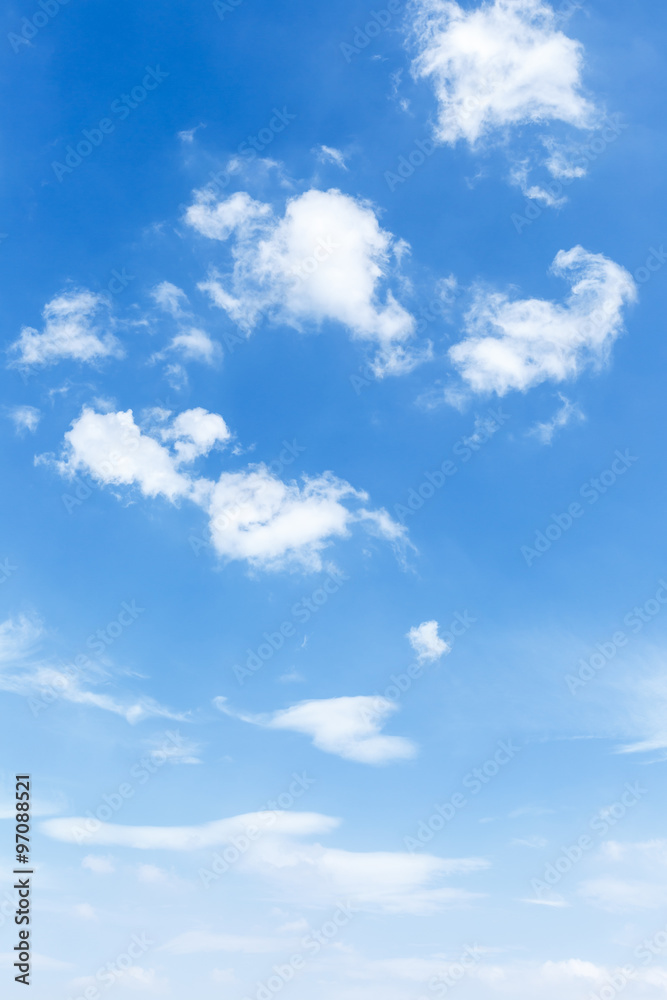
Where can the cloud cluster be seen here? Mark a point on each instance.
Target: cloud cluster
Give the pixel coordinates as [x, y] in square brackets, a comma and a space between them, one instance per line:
[324, 260]
[253, 515]
[519, 344]
[347, 727]
[71, 331]
[501, 64]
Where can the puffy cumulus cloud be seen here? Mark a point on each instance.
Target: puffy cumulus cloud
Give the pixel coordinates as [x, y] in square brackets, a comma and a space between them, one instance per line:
[70, 332]
[426, 642]
[112, 449]
[218, 220]
[253, 515]
[502, 63]
[259, 518]
[196, 432]
[519, 344]
[311, 873]
[325, 259]
[196, 345]
[348, 727]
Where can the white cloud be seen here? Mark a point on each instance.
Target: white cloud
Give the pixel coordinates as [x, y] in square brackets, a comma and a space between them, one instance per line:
[18, 638]
[101, 865]
[378, 881]
[172, 748]
[502, 63]
[26, 418]
[373, 881]
[198, 942]
[186, 838]
[635, 878]
[130, 980]
[152, 875]
[535, 843]
[565, 415]
[518, 344]
[24, 672]
[253, 515]
[333, 155]
[426, 642]
[196, 345]
[218, 220]
[70, 332]
[192, 343]
[170, 298]
[348, 727]
[324, 260]
[195, 433]
[617, 895]
[113, 450]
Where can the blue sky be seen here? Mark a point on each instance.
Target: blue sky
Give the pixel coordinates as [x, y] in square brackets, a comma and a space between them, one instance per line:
[333, 497]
